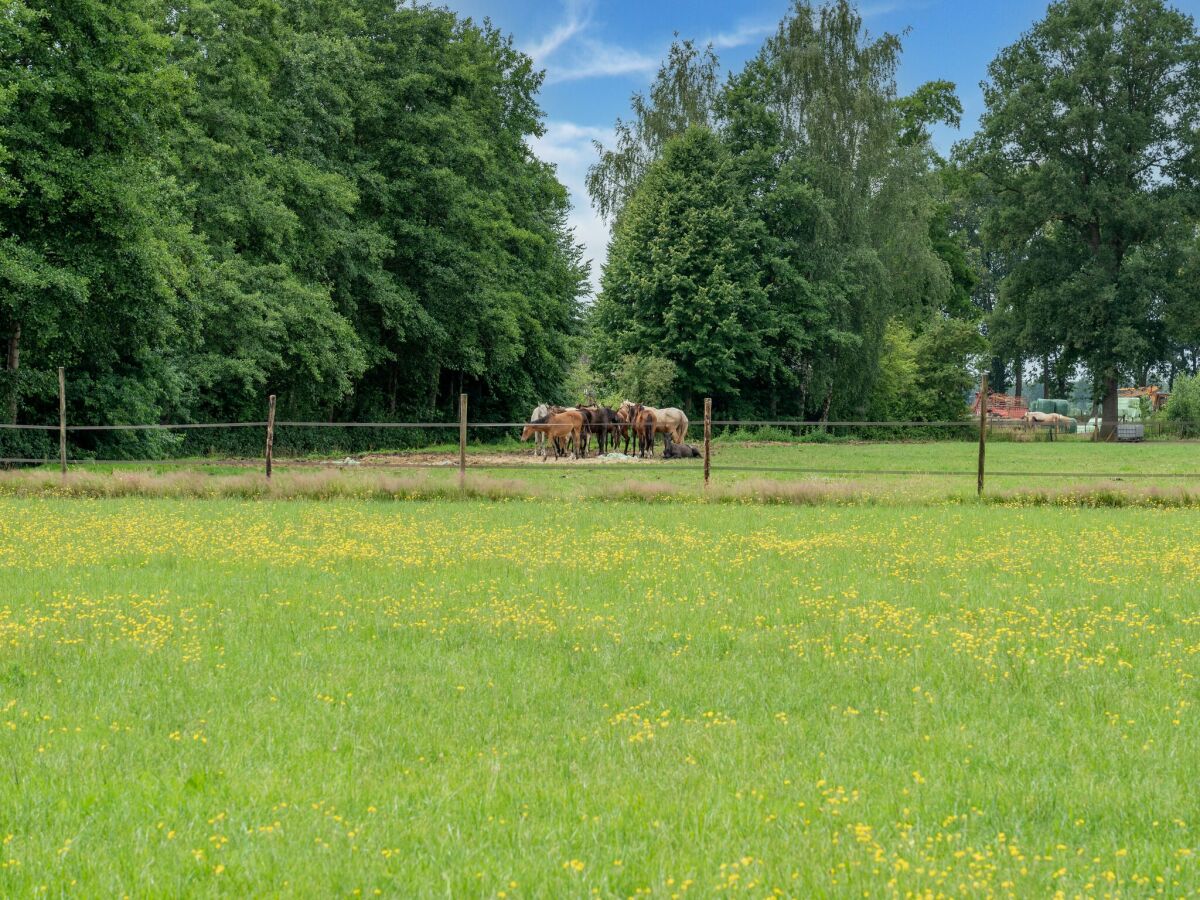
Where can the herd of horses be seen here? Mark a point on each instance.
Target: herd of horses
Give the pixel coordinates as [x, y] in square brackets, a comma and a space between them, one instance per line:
[571, 428]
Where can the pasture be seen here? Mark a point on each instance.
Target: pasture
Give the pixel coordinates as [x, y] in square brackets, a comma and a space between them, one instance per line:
[878, 472]
[532, 698]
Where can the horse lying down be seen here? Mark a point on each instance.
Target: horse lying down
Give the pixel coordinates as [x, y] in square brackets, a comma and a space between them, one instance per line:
[671, 450]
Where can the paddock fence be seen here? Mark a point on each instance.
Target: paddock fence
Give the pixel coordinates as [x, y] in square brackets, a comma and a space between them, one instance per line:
[492, 446]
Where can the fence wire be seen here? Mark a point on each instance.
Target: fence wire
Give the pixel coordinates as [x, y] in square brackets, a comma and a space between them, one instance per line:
[396, 462]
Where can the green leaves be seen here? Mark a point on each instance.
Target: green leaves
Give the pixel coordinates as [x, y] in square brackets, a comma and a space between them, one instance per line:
[681, 282]
[332, 201]
[1088, 146]
[764, 249]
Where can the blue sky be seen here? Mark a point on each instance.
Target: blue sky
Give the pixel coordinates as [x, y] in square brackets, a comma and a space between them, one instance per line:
[596, 53]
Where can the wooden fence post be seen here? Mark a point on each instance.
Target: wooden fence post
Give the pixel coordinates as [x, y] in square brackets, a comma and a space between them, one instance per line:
[983, 408]
[462, 441]
[62, 420]
[707, 438]
[270, 433]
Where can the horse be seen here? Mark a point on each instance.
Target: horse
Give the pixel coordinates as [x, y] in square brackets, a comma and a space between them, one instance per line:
[542, 411]
[589, 424]
[602, 422]
[672, 450]
[644, 422]
[622, 428]
[559, 427]
[667, 420]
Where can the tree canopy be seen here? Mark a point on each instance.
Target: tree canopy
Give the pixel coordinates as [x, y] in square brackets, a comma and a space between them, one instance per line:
[765, 247]
[331, 201]
[336, 201]
[1088, 147]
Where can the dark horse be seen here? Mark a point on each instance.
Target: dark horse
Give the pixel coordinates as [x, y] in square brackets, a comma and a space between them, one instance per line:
[602, 422]
[672, 450]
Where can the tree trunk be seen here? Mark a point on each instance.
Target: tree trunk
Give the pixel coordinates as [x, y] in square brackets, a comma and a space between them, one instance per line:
[1019, 375]
[14, 365]
[826, 404]
[1108, 428]
[1045, 377]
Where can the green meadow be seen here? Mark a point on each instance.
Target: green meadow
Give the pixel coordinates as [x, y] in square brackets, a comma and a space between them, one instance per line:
[842, 471]
[538, 698]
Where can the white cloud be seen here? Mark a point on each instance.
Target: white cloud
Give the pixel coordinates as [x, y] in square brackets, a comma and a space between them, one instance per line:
[569, 147]
[601, 60]
[741, 35]
[578, 17]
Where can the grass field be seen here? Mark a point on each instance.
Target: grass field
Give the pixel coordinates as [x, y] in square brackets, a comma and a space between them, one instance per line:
[848, 472]
[533, 698]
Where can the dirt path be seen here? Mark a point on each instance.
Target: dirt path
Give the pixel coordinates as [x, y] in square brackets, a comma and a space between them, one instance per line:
[513, 458]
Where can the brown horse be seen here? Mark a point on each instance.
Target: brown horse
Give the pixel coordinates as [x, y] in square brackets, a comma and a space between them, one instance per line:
[667, 420]
[559, 427]
[644, 422]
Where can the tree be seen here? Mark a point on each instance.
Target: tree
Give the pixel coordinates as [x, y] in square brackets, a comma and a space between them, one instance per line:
[274, 198]
[833, 90]
[682, 281]
[893, 398]
[946, 351]
[1088, 142]
[683, 95]
[643, 378]
[90, 250]
[1184, 405]
[479, 287]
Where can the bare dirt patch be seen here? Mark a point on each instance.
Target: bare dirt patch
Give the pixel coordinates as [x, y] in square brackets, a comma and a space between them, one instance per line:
[512, 458]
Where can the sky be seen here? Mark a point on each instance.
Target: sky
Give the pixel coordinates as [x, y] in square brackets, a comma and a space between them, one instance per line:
[597, 53]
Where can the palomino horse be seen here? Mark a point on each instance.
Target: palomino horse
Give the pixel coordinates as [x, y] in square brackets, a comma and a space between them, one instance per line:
[668, 420]
[559, 427]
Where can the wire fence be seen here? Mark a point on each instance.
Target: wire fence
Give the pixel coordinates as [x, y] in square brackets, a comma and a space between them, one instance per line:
[288, 443]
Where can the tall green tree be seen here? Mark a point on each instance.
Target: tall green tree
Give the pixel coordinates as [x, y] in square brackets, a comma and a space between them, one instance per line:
[682, 280]
[1089, 144]
[484, 277]
[833, 88]
[92, 254]
[271, 187]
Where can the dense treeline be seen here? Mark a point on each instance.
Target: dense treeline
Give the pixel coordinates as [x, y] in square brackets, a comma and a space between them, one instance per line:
[333, 201]
[776, 236]
[789, 242]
